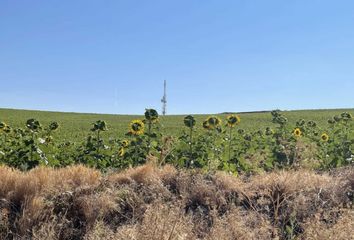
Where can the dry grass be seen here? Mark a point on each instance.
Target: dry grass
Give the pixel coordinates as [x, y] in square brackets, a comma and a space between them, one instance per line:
[164, 203]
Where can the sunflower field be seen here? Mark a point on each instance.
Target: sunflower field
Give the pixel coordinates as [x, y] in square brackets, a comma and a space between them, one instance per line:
[216, 143]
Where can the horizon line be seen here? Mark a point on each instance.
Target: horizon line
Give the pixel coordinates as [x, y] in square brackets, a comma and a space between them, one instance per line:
[220, 113]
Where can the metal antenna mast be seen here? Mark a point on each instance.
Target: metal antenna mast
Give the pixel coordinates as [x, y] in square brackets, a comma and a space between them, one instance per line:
[164, 99]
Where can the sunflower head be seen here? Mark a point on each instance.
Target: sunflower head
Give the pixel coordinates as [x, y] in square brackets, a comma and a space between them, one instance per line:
[125, 143]
[275, 113]
[121, 152]
[212, 122]
[346, 116]
[248, 137]
[233, 120]
[6, 129]
[324, 137]
[301, 122]
[99, 126]
[53, 126]
[278, 117]
[2, 125]
[151, 115]
[241, 131]
[189, 121]
[136, 127]
[297, 132]
[33, 125]
[311, 124]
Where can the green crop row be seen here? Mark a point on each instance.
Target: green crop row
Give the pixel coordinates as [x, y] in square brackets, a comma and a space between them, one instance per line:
[215, 143]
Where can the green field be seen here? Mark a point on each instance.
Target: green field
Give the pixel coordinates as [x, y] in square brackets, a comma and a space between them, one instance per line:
[75, 126]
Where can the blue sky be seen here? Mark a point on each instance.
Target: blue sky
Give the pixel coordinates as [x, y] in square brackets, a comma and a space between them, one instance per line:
[112, 56]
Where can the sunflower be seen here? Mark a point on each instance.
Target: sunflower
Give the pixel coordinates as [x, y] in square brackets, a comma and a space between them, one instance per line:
[136, 127]
[125, 143]
[151, 115]
[297, 132]
[53, 126]
[189, 121]
[2, 125]
[311, 124]
[346, 116]
[248, 137]
[98, 126]
[121, 152]
[241, 131]
[7, 129]
[324, 137]
[233, 120]
[212, 122]
[33, 125]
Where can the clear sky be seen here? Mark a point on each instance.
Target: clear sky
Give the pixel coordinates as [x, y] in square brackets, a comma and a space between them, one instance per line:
[217, 55]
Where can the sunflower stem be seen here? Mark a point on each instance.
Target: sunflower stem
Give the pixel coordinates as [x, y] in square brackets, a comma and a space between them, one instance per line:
[32, 145]
[136, 157]
[190, 147]
[149, 136]
[98, 142]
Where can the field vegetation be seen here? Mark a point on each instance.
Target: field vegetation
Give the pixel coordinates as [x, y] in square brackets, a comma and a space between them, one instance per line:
[271, 175]
[218, 142]
[75, 126]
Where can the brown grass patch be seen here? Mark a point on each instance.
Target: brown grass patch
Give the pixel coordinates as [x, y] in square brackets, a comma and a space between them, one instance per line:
[151, 202]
